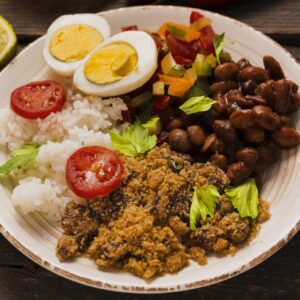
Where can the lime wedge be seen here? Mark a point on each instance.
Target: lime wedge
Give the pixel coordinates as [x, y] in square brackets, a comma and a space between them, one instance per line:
[8, 41]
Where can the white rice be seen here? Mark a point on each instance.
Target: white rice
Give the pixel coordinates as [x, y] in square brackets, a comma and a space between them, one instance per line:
[85, 120]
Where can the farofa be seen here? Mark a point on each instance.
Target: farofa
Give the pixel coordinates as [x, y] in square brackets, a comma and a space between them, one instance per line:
[143, 227]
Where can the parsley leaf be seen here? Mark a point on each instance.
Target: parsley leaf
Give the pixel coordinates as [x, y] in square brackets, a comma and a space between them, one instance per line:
[204, 203]
[244, 198]
[134, 141]
[20, 158]
[219, 45]
[197, 104]
[173, 165]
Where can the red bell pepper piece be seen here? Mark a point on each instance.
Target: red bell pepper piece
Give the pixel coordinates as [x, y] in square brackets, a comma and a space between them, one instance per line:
[206, 41]
[160, 102]
[180, 48]
[195, 16]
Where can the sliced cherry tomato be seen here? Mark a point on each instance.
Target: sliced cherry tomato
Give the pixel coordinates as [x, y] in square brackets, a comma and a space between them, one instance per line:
[195, 16]
[94, 171]
[37, 99]
[160, 102]
[180, 48]
[206, 40]
[129, 28]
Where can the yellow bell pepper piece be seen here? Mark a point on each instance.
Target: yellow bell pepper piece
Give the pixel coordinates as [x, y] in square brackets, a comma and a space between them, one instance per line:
[180, 31]
[177, 86]
[201, 23]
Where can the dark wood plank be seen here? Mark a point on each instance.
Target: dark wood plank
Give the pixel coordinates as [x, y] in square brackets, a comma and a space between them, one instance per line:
[278, 277]
[278, 18]
[31, 18]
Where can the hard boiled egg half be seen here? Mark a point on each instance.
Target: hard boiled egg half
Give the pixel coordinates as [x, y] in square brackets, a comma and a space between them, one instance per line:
[121, 64]
[70, 38]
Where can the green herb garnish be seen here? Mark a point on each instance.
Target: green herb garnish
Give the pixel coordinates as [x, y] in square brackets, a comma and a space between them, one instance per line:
[153, 125]
[219, 45]
[176, 32]
[20, 158]
[244, 198]
[173, 165]
[134, 141]
[204, 204]
[197, 104]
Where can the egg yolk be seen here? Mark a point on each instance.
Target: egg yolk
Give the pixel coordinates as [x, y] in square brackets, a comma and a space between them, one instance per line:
[111, 63]
[74, 42]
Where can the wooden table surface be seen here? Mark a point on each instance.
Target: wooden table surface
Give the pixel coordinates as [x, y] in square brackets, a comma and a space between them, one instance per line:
[276, 278]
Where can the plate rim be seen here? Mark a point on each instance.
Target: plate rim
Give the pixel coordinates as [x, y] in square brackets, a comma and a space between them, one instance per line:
[152, 290]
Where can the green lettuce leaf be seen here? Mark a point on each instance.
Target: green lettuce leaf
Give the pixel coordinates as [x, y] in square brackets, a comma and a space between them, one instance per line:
[197, 104]
[219, 44]
[20, 158]
[134, 141]
[244, 198]
[204, 204]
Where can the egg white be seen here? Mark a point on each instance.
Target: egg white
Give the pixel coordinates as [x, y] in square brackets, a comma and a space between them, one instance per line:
[147, 63]
[95, 21]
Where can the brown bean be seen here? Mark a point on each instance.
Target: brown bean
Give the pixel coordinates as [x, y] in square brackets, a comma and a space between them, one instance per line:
[249, 87]
[294, 103]
[265, 118]
[175, 123]
[286, 137]
[223, 87]
[265, 90]
[268, 152]
[225, 57]
[219, 160]
[220, 105]
[227, 71]
[273, 67]
[178, 140]
[208, 118]
[282, 91]
[213, 144]
[294, 86]
[247, 155]
[253, 73]
[284, 121]
[242, 119]
[238, 172]
[243, 63]
[254, 135]
[235, 99]
[225, 131]
[196, 135]
[255, 100]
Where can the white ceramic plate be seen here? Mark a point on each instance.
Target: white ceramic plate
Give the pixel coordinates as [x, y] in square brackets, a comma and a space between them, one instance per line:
[36, 237]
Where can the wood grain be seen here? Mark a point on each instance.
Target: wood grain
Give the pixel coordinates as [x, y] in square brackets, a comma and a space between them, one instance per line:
[277, 18]
[20, 279]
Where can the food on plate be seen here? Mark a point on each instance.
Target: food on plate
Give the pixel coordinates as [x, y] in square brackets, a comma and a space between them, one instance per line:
[144, 227]
[120, 65]
[169, 168]
[37, 99]
[94, 171]
[71, 38]
[8, 41]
